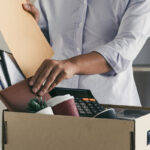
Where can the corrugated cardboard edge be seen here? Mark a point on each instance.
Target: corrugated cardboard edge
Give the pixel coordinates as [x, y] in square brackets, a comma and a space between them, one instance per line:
[132, 139]
[142, 126]
[126, 107]
[128, 124]
[4, 130]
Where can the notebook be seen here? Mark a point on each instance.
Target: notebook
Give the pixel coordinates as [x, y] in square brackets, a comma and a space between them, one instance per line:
[11, 69]
[17, 97]
[23, 36]
[3, 80]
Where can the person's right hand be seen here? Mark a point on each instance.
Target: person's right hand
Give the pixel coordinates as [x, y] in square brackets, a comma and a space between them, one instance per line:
[32, 10]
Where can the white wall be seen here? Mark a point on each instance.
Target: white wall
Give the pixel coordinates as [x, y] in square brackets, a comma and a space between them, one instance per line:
[143, 78]
[144, 56]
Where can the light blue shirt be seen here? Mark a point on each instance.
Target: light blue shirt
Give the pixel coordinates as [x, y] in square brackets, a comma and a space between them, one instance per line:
[117, 29]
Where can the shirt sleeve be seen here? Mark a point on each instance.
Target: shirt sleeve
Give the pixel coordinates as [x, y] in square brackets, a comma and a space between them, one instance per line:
[132, 34]
[43, 23]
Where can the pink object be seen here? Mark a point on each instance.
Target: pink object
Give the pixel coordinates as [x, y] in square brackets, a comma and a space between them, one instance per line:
[63, 105]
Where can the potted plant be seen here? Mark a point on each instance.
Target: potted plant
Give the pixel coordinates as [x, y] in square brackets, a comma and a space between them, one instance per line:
[39, 106]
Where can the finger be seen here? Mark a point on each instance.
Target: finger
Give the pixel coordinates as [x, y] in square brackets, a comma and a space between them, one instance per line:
[35, 12]
[28, 1]
[31, 9]
[26, 7]
[52, 87]
[51, 78]
[42, 77]
[36, 75]
[59, 79]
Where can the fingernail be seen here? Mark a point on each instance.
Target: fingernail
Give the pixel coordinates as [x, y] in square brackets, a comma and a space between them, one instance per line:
[34, 90]
[41, 93]
[26, 6]
[50, 89]
[31, 83]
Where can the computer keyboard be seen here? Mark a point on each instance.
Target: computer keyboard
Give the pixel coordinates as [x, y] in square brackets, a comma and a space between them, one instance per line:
[85, 102]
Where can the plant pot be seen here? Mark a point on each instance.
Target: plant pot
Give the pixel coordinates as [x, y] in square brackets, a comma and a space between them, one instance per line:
[46, 111]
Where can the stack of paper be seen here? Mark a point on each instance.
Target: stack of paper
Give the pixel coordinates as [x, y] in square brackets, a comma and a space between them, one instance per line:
[10, 73]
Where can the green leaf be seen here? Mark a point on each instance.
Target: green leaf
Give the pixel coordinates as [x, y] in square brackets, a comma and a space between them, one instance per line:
[36, 105]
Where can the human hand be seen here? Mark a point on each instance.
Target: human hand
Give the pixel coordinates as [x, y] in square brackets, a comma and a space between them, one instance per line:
[52, 72]
[32, 10]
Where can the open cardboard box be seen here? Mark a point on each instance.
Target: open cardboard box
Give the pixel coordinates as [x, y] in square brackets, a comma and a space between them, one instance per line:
[24, 131]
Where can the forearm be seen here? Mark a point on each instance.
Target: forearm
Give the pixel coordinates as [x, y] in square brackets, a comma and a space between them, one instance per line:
[91, 63]
[54, 71]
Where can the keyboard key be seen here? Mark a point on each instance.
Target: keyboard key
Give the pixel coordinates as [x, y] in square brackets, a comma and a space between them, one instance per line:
[81, 112]
[85, 99]
[92, 99]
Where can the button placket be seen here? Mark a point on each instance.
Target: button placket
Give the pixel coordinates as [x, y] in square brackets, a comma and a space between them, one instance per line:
[78, 49]
[80, 25]
[79, 33]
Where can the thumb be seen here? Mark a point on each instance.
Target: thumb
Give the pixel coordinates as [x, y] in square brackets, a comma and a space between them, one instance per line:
[32, 10]
[26, 7]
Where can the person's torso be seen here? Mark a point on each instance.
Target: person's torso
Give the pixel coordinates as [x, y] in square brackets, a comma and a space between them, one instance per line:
[80, 26]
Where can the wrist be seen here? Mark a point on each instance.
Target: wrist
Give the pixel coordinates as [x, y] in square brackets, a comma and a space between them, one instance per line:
[72, 65]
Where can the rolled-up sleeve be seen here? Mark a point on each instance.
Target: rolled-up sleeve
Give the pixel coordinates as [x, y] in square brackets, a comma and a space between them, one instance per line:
[132, 34]
[43, 23]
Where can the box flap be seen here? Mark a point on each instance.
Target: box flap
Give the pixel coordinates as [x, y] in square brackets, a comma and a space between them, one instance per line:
[43, 132]
[142, 126]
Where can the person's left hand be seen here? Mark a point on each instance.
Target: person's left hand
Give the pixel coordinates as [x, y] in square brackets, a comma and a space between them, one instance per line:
[52, 72]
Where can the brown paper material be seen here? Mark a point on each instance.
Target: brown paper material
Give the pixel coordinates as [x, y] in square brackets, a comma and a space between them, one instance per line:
[44, 132]
[22, 131]
[23, 36]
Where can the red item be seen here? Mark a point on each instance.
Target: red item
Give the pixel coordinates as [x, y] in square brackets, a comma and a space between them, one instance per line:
[16, 97]
[63, 105]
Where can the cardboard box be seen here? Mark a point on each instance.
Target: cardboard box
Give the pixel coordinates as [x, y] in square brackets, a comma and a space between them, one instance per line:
[24, 131]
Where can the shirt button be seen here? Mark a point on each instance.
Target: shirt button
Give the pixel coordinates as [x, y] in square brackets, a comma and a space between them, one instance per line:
[78, 49]
[80, 25]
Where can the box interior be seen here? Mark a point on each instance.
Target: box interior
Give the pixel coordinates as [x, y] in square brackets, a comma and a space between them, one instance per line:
[129, 112]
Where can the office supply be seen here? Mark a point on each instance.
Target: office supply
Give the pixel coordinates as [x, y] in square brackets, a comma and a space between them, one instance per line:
[23, 36]
[36, 104]
[85, 102]
[16, 97]
[2, 76]
[1, 84]
[39, 106]
[12, 71]
[3, 44]
[63, 105]
[46, 111]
